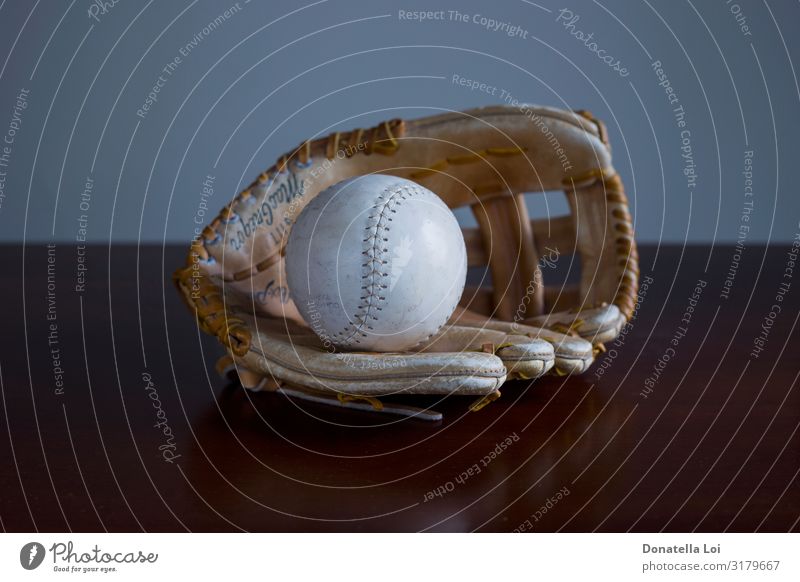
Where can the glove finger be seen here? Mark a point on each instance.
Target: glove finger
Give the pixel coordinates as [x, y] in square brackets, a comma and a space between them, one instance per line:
[289, 353]
[598, 325]
[573, 355]
[524, 357]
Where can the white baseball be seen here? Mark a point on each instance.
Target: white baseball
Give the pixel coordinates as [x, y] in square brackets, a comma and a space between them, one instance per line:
[376, 263]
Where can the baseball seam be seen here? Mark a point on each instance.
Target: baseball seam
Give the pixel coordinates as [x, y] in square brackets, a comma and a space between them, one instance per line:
[375, 279]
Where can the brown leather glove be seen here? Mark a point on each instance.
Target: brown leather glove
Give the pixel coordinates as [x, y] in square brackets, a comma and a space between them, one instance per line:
[517, 328]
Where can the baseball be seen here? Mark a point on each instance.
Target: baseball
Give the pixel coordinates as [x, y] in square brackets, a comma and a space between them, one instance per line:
[376, 263]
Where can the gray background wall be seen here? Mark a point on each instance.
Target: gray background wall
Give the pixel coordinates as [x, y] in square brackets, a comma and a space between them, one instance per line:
[275, 73]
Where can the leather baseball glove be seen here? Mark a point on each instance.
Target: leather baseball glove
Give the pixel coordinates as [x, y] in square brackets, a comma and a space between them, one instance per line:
[517, 327]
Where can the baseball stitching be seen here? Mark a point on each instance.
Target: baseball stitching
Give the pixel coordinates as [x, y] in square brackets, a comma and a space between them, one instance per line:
[375, 279]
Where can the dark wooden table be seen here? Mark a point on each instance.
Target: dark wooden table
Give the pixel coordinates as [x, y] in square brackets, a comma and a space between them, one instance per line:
[113, 418]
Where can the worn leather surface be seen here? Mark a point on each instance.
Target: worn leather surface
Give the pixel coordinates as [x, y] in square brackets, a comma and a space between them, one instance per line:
[483, 158]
